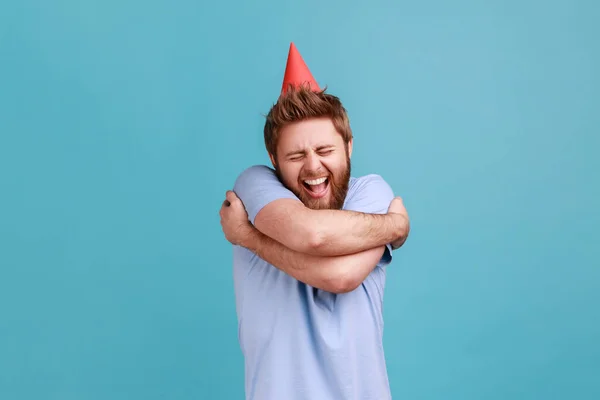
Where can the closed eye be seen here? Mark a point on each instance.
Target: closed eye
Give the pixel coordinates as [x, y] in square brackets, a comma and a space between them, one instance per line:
[325, 152]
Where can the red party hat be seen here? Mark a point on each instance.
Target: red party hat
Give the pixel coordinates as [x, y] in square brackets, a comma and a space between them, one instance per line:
[297, 73]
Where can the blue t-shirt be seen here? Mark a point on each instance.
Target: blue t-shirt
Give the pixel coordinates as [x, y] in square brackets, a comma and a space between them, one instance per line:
[303, 343]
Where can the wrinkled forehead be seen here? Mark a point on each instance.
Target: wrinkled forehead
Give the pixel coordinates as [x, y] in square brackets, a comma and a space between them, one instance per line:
[309, 134]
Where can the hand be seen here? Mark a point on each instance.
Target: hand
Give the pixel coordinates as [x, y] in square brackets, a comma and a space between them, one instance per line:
[397, 207]
[234, 220]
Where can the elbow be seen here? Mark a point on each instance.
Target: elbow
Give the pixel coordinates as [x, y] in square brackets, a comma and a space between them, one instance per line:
[346, 286]
[348, 273]
[301, 239]
[341, 286]
[402, 235]
[396, 244]
[314, 237]
[312, 242]
[342, 283]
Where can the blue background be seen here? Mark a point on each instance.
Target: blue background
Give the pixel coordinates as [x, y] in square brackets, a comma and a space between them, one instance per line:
[123, 123]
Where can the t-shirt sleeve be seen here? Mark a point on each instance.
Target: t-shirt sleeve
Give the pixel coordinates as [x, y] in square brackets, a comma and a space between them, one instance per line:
[372, 194]
[257, 186]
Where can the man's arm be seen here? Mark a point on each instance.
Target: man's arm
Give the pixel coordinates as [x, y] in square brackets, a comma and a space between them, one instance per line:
[339, 274]
[277, 213]
[328, 232]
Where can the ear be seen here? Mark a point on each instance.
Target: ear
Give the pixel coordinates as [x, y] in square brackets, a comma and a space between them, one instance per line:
[272, 160]
[350, 148]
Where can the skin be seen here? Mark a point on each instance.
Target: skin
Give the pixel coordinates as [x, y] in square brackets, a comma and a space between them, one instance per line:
[339, 274]
[309, 150]
[312, 239]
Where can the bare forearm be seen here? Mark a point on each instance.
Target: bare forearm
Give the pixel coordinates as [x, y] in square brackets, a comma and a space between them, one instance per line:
[334, 274]
[347, 232]
[328, 232]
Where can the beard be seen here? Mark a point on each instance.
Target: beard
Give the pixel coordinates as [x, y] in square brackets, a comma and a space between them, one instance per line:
[338, 189]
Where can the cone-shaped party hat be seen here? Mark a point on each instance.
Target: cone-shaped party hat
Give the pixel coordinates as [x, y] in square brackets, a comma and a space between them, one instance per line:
[297, 73]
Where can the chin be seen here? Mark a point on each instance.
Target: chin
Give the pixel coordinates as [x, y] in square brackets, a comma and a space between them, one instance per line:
[320, 204]
[316, 196]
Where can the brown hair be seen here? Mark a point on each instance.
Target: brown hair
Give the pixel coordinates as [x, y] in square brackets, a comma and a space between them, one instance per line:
[297, 104]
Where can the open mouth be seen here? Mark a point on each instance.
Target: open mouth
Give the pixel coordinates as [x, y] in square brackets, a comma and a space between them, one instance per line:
[316, 187]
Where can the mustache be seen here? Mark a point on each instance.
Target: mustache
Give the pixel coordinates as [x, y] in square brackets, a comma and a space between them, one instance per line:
[314, 176]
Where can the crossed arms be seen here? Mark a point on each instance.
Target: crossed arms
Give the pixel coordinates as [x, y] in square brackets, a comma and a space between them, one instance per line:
[328, 232]
[332, 250]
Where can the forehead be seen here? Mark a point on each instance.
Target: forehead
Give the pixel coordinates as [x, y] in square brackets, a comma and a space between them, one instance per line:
[309, 133]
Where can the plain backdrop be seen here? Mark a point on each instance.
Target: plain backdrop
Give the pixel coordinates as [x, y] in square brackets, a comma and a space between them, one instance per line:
[123, 123]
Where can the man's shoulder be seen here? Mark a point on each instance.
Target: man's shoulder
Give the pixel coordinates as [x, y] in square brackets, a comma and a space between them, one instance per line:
[368, 193]
[364, 181]
[257, 186]
[255, 170]
[254, 176]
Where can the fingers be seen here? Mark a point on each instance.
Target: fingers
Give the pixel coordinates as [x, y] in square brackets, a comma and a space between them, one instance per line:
[224, 205]
[231, 197]
[399, 200]
[395, 201]
[397, 206]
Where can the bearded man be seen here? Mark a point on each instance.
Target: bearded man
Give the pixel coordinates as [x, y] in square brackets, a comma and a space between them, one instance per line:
[311, 244]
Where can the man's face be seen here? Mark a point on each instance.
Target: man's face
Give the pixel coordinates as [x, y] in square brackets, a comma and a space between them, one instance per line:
[313, 162]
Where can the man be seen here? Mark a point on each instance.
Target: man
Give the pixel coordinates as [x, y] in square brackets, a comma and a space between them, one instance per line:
[311, 244]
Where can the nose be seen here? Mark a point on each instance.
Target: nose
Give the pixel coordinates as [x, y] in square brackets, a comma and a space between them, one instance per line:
[312, 164]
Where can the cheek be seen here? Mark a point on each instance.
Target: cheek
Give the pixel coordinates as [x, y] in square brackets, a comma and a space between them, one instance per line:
[336, 164]
[289, 173]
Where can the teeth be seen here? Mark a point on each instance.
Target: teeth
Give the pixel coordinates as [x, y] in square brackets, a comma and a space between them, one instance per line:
[316, 181]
